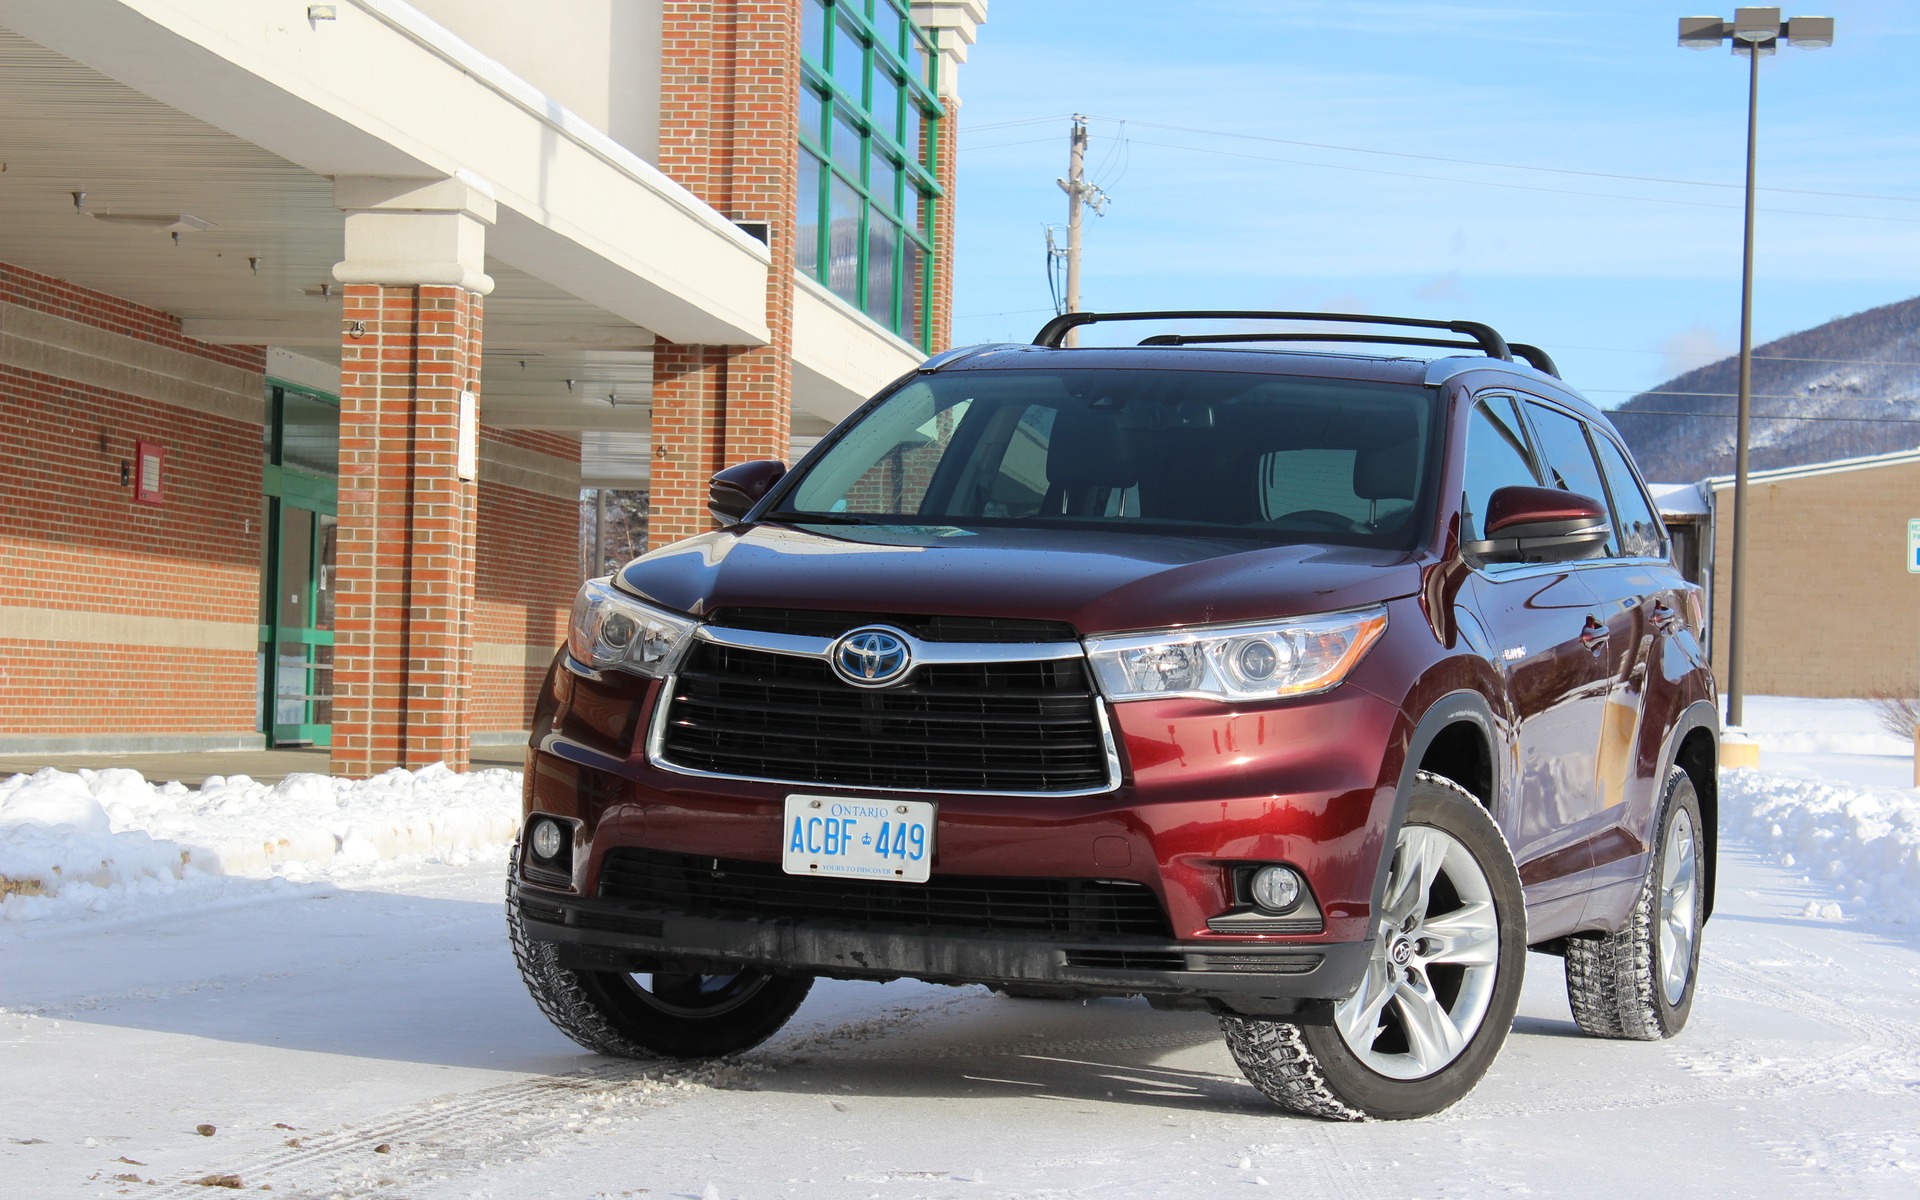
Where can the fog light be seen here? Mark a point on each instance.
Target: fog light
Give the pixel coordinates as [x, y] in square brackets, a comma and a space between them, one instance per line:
[1277, 889]
[547, 839]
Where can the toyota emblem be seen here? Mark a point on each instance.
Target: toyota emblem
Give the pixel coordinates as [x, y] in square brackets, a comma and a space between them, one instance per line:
[871, 657]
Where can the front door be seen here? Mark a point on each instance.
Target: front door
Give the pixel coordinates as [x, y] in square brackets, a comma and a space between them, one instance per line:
[300, 491]
[301, 691]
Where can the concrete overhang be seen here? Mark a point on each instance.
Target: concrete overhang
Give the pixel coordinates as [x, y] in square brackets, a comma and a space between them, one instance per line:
[840, 357]
[381, 90]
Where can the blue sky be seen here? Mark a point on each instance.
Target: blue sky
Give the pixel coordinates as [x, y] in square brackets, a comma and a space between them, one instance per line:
[1625, 281]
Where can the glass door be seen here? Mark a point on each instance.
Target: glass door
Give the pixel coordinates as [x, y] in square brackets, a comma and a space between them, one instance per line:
[300, 486]
[302, 631]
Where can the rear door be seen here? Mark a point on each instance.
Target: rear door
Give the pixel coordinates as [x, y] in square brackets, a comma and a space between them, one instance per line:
[1648, 601]
[1633, 605]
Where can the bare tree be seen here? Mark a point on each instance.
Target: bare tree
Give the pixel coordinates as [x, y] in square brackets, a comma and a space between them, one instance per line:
[1899, 714]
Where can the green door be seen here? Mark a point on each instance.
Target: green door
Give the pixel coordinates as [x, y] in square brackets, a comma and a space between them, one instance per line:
[300, 494]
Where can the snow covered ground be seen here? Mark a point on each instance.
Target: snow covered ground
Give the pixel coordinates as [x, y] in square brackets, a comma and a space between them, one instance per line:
[306, 987]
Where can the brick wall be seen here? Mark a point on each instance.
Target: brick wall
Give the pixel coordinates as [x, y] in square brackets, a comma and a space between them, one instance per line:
[526, 572]
[1831, 609]
[729, 79]
[167, 597]
[76, 303]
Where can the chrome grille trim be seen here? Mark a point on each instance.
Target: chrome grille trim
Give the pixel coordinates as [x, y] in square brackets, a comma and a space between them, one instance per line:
[956, 653]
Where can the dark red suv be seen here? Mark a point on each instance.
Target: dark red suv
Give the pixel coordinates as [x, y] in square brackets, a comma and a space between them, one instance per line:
[1308, 688]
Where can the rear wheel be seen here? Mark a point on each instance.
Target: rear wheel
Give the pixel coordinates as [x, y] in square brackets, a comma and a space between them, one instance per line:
[651, 1015]
[1440, 989]
[1638, 983]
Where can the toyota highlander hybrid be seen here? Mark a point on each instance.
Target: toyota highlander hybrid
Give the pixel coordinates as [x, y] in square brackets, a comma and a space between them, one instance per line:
[1308, 688]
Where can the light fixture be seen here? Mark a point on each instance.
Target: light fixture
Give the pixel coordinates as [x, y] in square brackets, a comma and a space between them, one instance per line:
[1702, 33]
[174, 223]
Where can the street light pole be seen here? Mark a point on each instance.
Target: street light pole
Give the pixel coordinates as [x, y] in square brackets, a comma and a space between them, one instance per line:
[1754, 32]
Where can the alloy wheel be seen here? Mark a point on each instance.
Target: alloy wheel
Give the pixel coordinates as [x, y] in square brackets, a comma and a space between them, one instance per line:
[1679, 905]
[1436, 956]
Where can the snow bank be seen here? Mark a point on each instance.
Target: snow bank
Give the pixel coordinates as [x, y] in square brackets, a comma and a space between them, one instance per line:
[1863, 843]
[94, 840]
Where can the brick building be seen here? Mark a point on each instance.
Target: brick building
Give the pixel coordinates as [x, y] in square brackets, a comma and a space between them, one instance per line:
[315, 319]
[1828, 540]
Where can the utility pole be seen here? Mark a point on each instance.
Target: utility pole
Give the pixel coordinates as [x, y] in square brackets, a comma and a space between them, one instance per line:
[1080, 194]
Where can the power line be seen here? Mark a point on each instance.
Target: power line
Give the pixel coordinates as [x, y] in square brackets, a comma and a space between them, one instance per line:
[1521, 187]
[1505, 166]
[1011, 312]
[1727, 416]
[1047, 120]
[1759, 358]
[1004, 145]
[1756, 395]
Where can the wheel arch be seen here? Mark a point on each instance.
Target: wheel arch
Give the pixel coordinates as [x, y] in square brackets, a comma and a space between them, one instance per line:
[1454, 737]
[1694, 747]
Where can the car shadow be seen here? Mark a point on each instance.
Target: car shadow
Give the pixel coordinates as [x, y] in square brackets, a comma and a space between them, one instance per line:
[375, 975]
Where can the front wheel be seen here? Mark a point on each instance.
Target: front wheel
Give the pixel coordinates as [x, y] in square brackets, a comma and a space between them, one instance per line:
[1440, 989]
[653, 1015]
[1637, 984]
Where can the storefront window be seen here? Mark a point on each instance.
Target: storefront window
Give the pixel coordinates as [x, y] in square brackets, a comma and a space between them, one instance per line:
[868, 107]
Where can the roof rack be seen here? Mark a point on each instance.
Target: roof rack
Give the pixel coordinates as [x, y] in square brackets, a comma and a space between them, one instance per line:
[1484, 336]
[1537, 358]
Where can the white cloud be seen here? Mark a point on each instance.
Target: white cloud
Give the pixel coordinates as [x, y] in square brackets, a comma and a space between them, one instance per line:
[1691, 348]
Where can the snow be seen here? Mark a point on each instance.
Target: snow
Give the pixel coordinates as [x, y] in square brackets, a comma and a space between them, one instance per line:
[105, 841]
[317, 970]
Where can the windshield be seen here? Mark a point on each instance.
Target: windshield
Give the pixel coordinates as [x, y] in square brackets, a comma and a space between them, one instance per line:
[1274, 457]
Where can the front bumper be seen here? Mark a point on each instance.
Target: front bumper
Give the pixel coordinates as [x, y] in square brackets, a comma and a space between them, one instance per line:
[609, 935]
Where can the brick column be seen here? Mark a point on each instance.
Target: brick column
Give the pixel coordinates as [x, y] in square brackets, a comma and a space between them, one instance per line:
[409, 352]
[729, 95]
[946, 154]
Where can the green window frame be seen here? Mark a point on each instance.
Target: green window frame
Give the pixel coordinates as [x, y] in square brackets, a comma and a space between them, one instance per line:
[869, 192]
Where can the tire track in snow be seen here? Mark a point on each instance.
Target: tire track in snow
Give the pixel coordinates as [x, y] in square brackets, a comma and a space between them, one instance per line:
[458, 1135]
[1877, 1040]
[1882, 1039]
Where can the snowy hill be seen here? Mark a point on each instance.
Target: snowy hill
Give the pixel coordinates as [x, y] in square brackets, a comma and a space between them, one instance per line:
[1851, 385]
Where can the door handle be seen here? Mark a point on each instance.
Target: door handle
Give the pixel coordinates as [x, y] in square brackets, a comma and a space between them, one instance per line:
[1593, 635]
[1665, 619]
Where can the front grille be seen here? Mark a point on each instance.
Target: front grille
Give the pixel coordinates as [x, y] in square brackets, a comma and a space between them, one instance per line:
[725, 887]
[823, 623]
[976, 727]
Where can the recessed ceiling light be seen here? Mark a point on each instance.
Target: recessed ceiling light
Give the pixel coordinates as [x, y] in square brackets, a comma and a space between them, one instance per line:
[165, 222]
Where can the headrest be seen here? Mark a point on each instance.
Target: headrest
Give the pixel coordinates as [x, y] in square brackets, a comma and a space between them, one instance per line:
[1089, 449]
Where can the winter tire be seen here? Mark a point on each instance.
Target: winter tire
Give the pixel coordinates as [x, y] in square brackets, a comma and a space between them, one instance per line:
[1441, 985]
[1638, 983]
[652, 1015]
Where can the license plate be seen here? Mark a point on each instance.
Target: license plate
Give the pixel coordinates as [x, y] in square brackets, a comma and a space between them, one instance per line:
[858, 839]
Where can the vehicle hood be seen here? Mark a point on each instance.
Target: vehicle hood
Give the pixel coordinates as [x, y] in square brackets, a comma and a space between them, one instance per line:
[1099, 582]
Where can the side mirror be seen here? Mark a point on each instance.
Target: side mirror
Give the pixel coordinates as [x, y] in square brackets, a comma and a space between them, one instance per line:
[733, 492]
[1534, 524]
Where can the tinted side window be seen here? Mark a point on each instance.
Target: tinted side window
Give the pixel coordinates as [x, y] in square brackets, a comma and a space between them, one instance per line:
[1637, 525]
[1569, 459]
[1496, 458]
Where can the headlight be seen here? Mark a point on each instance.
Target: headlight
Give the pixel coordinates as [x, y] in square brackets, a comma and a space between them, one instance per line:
[612, 630]
[1237, 662]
